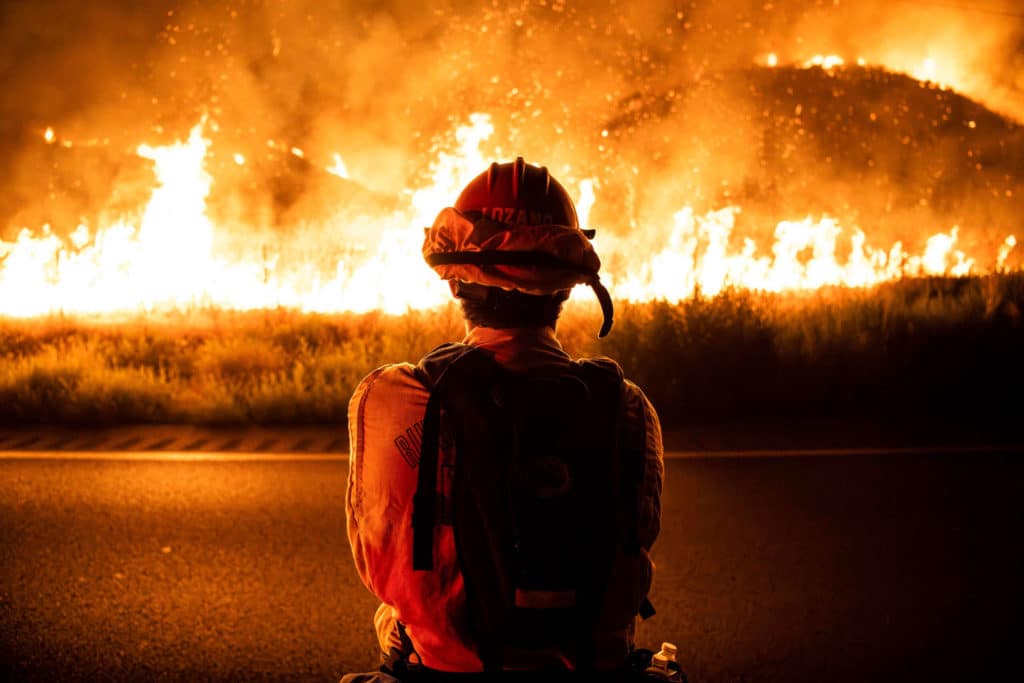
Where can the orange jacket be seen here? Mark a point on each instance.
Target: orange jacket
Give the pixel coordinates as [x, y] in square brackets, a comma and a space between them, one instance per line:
[385, 423]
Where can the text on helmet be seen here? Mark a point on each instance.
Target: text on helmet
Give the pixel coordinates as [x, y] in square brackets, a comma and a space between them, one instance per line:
[513, 216]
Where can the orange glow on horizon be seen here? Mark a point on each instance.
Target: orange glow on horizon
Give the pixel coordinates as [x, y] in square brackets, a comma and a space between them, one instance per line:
[167, 258]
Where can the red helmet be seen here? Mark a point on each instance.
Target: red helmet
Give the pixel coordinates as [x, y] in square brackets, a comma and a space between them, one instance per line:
[518, 194]
[515, 227]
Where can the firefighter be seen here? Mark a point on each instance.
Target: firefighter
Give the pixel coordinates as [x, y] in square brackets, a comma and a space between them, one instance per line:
[502, 497]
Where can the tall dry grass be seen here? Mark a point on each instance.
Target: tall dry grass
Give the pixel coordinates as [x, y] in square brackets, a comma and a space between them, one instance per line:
[929, 348]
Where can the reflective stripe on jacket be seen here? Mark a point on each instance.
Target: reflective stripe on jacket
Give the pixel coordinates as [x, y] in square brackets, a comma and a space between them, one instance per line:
[385, 419]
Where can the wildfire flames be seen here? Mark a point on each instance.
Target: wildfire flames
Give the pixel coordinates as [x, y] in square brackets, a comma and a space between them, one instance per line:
[167, 258]
[762, 166]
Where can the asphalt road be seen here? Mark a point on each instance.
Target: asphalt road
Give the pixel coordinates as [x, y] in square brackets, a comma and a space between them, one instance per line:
[858, 568]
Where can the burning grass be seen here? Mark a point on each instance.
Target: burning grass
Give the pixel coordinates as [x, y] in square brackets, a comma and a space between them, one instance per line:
[933, 348]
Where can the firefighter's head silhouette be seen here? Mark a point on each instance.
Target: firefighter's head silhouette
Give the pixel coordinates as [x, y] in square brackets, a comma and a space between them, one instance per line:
[512, 248]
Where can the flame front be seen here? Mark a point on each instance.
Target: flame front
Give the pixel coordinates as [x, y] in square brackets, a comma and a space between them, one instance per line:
[168, 259]
[697, 257]
[165, 261]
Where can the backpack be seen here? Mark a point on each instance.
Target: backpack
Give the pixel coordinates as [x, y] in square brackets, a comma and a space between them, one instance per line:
[541, 496]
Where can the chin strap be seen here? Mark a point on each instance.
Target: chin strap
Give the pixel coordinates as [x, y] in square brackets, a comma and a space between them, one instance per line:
[607, 310]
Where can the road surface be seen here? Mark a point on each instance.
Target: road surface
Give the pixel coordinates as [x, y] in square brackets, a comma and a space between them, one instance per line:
[892, 566]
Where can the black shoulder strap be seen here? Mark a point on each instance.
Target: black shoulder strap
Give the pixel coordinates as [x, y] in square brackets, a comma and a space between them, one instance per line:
[433, 365]
[630, 464]
[604, 379]
[432, 371]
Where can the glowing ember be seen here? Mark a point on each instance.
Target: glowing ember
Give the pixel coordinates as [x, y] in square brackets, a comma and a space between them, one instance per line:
[168, 259]
[49, 136]
[338, 168]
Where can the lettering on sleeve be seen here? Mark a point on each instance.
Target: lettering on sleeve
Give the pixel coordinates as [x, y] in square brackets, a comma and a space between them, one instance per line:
[409, 444]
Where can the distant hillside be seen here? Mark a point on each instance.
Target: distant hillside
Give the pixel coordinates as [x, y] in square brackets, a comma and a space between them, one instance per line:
[873, 148]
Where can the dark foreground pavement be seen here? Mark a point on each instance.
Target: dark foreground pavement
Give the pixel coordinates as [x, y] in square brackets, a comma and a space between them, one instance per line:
[867, 568]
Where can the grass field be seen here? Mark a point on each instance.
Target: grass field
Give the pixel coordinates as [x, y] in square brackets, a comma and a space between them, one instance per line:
[935, 348]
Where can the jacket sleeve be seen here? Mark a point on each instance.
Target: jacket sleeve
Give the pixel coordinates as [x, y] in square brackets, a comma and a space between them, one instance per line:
[354, 492]
[385, 429]
[640, 414]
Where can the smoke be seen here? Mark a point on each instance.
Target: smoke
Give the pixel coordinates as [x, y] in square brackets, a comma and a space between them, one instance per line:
[614, 90]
